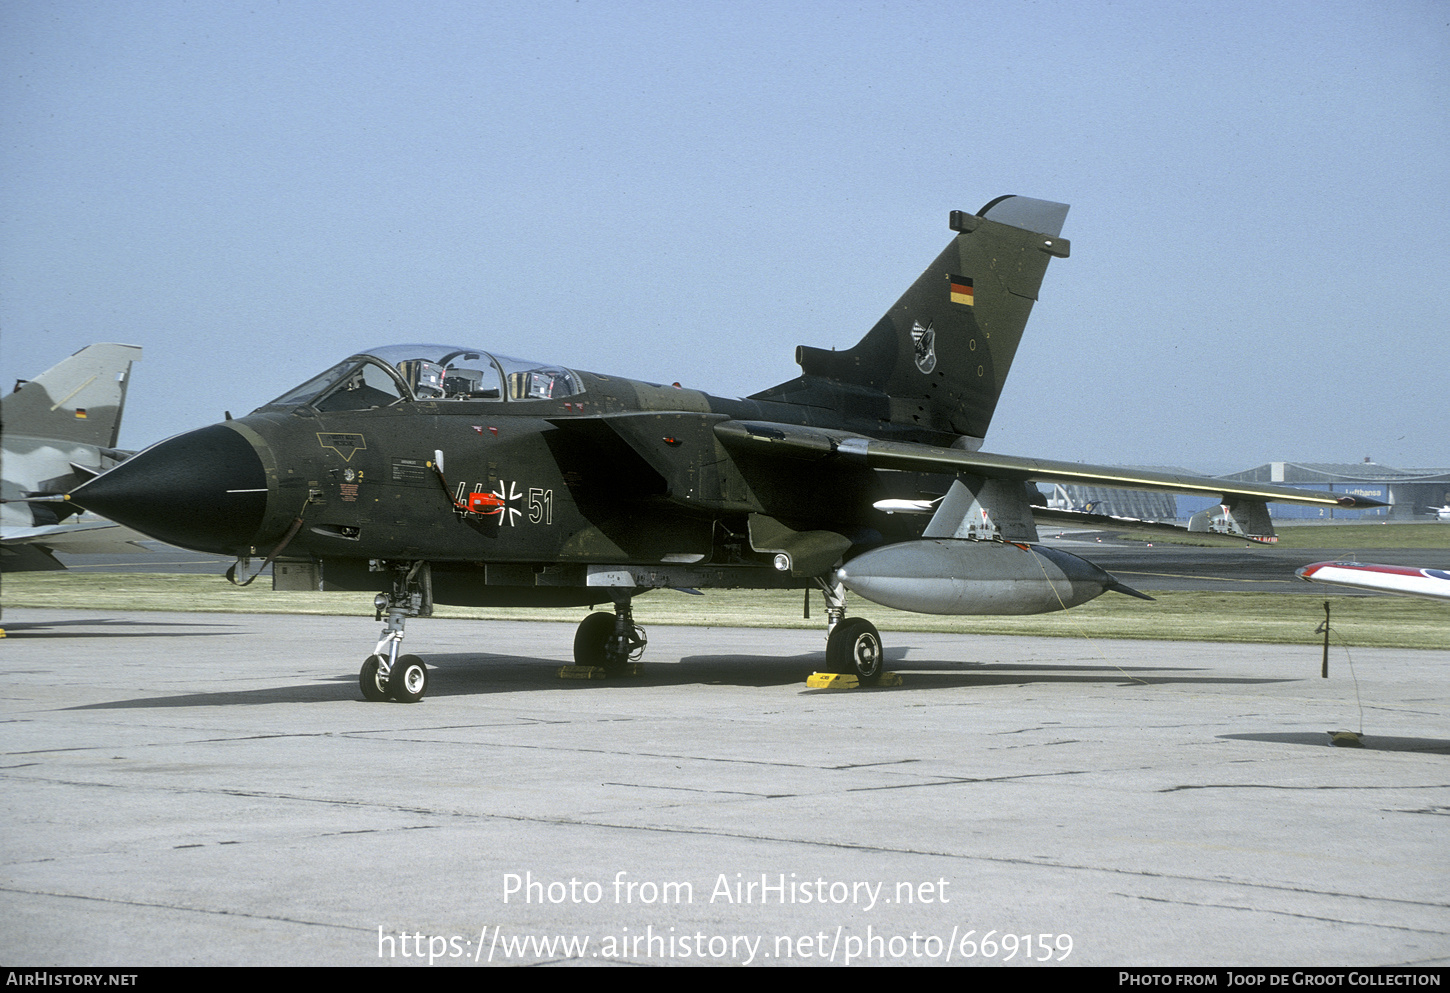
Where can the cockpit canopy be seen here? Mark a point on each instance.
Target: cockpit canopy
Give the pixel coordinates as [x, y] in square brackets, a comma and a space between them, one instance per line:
[384, 376]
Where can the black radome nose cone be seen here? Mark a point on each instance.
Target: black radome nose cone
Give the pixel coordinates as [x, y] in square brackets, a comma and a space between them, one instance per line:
[205, 490]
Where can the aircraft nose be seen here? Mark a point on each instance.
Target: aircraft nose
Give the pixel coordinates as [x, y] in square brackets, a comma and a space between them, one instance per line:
[205, 490]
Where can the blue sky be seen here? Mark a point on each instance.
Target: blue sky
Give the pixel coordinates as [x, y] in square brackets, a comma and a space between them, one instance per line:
[686, 191]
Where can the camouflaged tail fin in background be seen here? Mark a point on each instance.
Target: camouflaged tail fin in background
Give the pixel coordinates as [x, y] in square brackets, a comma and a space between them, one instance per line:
[57, 430]
[79, 399]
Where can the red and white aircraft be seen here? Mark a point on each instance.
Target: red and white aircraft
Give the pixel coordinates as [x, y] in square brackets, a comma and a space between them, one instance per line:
[1433, 584]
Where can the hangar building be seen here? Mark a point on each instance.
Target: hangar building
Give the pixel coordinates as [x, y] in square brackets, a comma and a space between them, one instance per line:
[1413, 494]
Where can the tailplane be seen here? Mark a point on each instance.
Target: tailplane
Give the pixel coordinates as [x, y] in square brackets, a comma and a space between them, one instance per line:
[939, 358]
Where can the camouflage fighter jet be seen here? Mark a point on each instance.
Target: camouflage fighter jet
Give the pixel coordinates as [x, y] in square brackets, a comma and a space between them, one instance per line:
[56, 431]
[453, 474]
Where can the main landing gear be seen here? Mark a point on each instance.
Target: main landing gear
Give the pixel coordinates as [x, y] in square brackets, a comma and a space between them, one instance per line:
[853, 645]
[385, 674]
[609, 642]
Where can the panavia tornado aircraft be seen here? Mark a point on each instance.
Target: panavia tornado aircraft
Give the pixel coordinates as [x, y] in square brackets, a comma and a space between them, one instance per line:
[452, 474]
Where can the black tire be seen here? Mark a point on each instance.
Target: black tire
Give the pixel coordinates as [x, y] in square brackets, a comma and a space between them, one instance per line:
[409, 679]
[592, 643]
[372, 687]
[854, 649]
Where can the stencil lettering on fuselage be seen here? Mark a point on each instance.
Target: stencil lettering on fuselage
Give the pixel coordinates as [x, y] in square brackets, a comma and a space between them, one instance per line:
[344, 443]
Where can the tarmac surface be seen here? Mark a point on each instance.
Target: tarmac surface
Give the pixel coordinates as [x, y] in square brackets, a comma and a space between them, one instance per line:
[194, 789]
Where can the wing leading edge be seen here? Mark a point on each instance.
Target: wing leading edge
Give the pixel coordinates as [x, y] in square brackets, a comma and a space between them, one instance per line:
[812, 443]
[797, 441]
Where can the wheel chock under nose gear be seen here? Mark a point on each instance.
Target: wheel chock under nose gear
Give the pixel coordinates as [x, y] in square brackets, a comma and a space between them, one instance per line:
[846, 681]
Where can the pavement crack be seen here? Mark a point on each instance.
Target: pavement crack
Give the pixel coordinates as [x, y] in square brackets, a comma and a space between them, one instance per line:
[672, 756]
[1280, 913]
[179, 908]
[965, 780]
[697, 789]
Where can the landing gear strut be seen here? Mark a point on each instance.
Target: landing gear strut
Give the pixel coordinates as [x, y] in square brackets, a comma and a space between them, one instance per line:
[853, 645]
[609, 642]
[385, 674]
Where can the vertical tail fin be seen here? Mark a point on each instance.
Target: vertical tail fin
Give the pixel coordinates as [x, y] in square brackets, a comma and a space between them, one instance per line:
[941, 354]
[79, 399]
[56, 428]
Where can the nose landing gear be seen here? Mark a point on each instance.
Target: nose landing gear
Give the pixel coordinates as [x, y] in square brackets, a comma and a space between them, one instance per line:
[405, 680]
[386, 675]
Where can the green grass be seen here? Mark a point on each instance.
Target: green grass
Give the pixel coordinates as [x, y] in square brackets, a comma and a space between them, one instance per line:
[1278, 618]
[1357, 536]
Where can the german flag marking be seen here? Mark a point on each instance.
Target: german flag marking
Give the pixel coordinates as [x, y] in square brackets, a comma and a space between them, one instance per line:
[961, 290]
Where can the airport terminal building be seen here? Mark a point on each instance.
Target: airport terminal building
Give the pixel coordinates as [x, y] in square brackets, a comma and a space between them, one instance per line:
[1412, 494]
